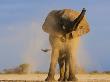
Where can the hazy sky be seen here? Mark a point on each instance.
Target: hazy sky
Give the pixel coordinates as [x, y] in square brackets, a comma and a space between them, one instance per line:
[21, 36]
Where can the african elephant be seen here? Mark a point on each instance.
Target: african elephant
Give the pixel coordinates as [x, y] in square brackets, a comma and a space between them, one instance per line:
[63, 27]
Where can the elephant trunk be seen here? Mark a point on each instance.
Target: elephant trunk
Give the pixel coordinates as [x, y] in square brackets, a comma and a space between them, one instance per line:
[72, 25]
[78, 19]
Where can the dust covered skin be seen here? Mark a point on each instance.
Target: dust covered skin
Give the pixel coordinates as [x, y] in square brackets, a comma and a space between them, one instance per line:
[66, 57]
[63, 47]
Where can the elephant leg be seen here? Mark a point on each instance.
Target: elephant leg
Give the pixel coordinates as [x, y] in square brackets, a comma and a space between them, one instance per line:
[72, 50]
[54, 59]
[72, 70]
[61, 62]
[66, 74]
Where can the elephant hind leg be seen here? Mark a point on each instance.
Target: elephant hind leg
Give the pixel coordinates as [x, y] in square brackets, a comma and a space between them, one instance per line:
[66, 74]
[61, 62]
[72, 78]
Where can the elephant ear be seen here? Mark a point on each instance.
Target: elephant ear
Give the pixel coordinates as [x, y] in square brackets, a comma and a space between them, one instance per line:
[83, 27]
[50, 22]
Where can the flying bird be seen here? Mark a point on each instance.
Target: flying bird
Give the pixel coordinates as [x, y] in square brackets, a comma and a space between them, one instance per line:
[45, 50]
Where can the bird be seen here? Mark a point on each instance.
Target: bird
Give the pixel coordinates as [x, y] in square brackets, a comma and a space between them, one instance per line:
[45, 50]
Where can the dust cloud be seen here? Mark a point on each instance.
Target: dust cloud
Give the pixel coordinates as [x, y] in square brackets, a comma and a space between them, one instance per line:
[35, 40]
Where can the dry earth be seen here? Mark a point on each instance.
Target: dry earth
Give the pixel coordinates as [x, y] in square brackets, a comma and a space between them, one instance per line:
[41, 77]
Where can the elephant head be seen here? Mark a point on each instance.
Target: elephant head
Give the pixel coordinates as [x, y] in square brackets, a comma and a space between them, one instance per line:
[66, 21]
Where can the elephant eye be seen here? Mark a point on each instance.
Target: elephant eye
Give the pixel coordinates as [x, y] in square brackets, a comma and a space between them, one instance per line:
[81, 27]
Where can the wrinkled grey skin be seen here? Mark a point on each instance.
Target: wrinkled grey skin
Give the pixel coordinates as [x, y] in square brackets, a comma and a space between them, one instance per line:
[62, 49]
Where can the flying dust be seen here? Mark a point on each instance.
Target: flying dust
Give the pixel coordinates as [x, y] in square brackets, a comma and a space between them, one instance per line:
[36, 40]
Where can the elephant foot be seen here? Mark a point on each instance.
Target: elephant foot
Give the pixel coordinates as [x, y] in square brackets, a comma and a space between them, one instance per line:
[65, 79]
[49, 79]
[72, 78]
[60, 79]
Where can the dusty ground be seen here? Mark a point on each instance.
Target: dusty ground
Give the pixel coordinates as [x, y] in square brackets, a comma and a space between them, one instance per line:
[41, 77]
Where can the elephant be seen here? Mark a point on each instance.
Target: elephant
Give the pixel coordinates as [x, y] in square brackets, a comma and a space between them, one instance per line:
[63, 27]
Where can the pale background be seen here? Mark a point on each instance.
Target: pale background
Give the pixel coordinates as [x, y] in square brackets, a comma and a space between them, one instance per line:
[21, 36]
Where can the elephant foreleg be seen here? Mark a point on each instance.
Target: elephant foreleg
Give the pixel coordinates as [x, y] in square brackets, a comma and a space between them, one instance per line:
[72, 70]
[54, 58]
[72, 50]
